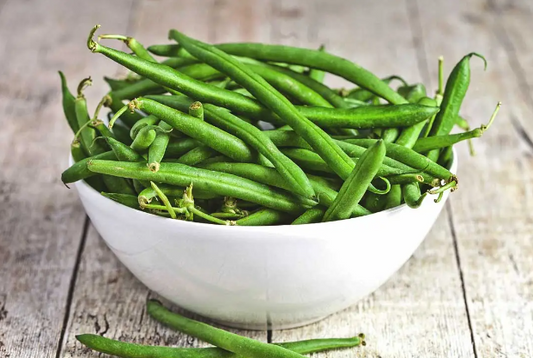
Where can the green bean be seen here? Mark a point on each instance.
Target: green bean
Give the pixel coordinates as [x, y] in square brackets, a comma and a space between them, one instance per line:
[122, 133]
[171, 50]
[365, 95]
[309, 160]
[128, 118]
[412, 196]
[394, 197]
[118, 185]
[164, 200]
[148, 194]
[324, 91]
[101, 128]
[408, 157]
[409, 135]
[367, 117]
[177, 148]
[79, 170]
[317, 138]
[76, 151]
[86, 133]
[135, 46]
[264, 217]
[158, 148]
[196, 109]
[256, 139]
[124, 199]
[355, 186]
[144, 139]
[123, 152]
[323, 188]
[208, 134]
[310, 216]
[375, 202]
[219, 183]
[291, 139]
[243, 346]
[131, 350]
[413, 93]
[315, 74]
[289, 86]
[454, 93]
[116, 85]
[196, 155]
[317, 60]
[150, 120]
[69, 107]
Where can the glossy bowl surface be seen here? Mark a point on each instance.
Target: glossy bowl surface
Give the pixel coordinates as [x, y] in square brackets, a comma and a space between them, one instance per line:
[261, 277]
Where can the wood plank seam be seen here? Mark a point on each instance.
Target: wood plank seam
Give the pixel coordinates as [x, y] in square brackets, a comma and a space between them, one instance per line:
[461, 276]
[71, 287]
[423, 65]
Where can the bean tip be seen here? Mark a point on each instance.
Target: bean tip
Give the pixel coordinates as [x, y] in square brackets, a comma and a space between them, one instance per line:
[91, 44]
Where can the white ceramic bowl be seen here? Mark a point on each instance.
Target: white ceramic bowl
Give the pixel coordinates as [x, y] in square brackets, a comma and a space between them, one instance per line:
[261, 277]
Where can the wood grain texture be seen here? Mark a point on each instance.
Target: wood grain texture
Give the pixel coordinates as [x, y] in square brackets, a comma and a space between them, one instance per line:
[107, 299]
[491, 213]
[413, 315]
[41, 222]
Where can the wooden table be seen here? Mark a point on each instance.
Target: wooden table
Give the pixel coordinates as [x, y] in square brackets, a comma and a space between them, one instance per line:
[466, 292]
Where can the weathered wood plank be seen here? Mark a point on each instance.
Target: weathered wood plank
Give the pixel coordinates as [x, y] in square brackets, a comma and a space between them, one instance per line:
[414, 314]
[41, 222]
[108, 300]
[491, 217]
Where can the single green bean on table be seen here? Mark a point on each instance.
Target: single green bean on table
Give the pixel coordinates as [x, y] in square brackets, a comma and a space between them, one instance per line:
[231, 342]
[132, 350]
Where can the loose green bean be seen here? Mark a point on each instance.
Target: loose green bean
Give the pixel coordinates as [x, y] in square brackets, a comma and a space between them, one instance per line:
[131, 350]
[243, 346]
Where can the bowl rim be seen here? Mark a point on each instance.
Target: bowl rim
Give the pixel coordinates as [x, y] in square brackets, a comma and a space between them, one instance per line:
[373, 216]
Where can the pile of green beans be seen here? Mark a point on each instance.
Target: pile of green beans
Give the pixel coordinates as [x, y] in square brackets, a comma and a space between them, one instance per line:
[227, 344]
[249, 134]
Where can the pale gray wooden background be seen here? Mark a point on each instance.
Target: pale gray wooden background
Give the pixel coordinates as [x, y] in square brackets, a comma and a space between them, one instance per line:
[466, 292]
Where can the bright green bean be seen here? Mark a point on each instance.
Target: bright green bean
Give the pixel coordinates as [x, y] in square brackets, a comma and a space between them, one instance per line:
[356, 185]
[310, 216]
[272, 99]
[219, 183]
